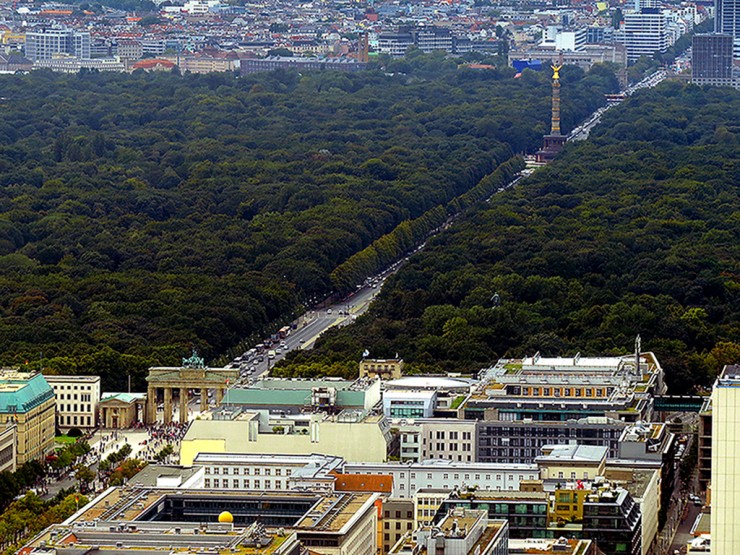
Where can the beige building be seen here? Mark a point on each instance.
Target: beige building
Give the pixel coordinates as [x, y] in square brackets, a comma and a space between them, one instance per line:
[7, 448]
[77, 400]
[725, 468]
[352, 435]
[122, 410]
[390, 369]
[572, 462]
[27, 400]
[427, 502]
[396, 519]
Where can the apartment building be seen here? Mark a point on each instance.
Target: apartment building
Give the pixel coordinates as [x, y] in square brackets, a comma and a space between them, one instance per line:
[77, 401]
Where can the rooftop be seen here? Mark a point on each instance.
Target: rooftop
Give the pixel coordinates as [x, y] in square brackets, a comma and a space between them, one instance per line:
[20, 392]
[573, 453]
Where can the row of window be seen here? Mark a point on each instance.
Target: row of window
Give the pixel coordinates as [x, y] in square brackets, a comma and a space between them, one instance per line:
[235, 483]
[85, 397]
[75, 421]
[72, 388]
[453, 446]
[69, 407]
[246, 471]
[452, 435]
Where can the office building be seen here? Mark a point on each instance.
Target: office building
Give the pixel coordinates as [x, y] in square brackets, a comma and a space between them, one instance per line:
[77, 401]
[460, 532]
[44, 44]
[565, 388]
[269, 472]
[144, 519]
[409, 478]
[725, 468]
[598, 511]
[646, 33]
[711, 60]
[501, 441]
[727, 21]
[352, 435]
[27, 401]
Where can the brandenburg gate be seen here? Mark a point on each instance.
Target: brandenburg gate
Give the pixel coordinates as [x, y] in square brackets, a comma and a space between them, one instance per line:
[192, 375]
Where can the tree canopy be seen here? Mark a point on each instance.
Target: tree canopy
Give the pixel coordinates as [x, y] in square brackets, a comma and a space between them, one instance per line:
[634, 231]
[145, 214]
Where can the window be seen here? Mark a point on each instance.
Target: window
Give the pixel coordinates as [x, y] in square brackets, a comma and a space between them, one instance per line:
[278, 472]
[216, 471]
[445, 476]
[256, 484]
[235, 483]
[398, 514]
[386, 525]
[216, 483]
[207, 482]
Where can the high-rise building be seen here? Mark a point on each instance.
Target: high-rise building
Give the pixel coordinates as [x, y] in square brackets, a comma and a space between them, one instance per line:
[711, 59]
[44, 44]
[725, 470]
[646, 33]
[727, 21]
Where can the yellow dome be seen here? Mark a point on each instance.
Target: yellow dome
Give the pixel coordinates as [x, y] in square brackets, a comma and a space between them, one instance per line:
[226, 517]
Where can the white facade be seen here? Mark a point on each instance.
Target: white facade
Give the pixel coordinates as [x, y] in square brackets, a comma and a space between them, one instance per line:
[646, 33]
[268, 472]
[43, 45]
[77, 400]
[725, 458]
[408, 478]
[409, 404]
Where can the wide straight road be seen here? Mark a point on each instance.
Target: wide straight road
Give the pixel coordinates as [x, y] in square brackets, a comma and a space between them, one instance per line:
[312, 324]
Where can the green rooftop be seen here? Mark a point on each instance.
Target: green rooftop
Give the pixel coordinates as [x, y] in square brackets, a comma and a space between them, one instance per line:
[20, 392]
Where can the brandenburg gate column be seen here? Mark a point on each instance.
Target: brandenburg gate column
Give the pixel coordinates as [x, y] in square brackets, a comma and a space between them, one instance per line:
[219, 395]
[151, 405]
[183, 405]
[203, 399]
[167, 405]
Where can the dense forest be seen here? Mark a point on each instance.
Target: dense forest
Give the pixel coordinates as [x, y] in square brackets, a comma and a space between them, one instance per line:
[144, 214]
[635, 231]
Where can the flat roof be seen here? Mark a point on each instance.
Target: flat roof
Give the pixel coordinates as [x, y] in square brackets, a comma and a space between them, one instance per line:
[61, 378]
[574, 452]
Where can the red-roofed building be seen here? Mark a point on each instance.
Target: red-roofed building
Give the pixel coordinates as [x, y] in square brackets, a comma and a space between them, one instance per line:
[153, 64]
[378, 483]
